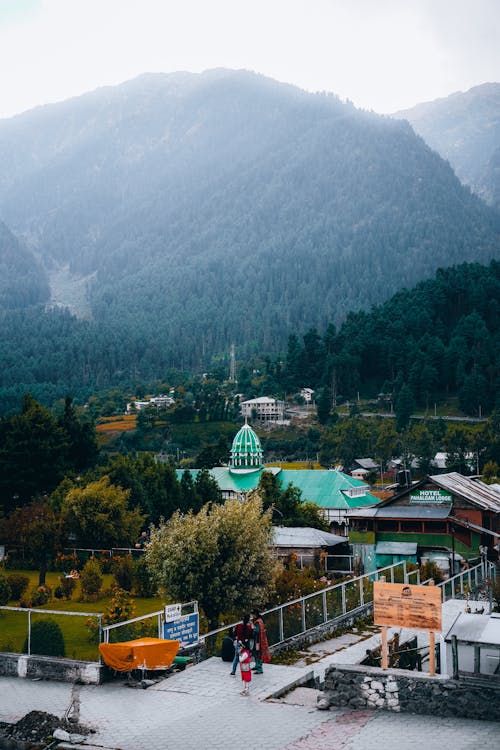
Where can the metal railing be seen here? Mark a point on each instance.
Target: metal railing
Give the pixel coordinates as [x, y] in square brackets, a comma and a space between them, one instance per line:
[21, 641]
[307, 612]
[465, 582]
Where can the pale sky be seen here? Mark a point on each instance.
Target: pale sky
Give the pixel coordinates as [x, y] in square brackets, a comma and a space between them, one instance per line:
[383, 55]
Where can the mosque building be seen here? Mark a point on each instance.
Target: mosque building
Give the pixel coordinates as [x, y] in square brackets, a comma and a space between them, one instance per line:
[334, 492]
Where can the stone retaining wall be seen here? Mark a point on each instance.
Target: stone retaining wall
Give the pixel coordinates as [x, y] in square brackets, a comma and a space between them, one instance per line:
[47, 668]
[413, 692]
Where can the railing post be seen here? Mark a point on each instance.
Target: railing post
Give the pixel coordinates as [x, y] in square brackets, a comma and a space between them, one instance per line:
[343, 599]
[361, 593]
[282, 630]
[29, 632]
[392, 574]
[405, 574]
[303, 613]
[325, 613]
[454, 656]
[461, 583]
[477, 658]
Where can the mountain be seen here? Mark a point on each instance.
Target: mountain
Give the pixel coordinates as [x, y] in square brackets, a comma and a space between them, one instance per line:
[464, 128]
[23, 282]
[203, 210]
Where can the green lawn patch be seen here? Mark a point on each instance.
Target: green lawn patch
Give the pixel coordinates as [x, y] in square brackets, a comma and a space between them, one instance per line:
[14, 625]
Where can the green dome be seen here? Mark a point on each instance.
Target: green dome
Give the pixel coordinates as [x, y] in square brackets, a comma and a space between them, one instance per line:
[246, 452]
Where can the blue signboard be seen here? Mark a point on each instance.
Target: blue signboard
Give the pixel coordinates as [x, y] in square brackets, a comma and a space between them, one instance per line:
[184, 629]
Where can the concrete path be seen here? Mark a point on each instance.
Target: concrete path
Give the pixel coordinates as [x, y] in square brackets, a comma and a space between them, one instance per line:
[202, 709]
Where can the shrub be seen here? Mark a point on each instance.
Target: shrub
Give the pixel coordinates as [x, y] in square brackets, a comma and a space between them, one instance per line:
[143, 585]
[91, 579]
[5, 590]
[120, 608]
[58, 592]
[18, 584]
[64, 562]
[431, 570]
[46, 639]
[123, 570]
[67, 586]
[40, 596]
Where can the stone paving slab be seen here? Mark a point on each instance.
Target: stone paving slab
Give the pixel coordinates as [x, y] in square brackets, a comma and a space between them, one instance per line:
[212, 678]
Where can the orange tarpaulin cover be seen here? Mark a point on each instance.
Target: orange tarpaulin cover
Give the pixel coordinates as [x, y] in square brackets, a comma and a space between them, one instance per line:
[150, 653]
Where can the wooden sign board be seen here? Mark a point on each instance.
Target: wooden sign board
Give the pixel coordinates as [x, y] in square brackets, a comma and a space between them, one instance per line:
[405, 606]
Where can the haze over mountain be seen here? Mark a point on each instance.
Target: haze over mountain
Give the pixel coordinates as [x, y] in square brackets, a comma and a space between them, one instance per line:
[200, 210]
[464, 128]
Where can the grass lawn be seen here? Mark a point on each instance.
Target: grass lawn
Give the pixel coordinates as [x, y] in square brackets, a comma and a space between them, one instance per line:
[14, 625]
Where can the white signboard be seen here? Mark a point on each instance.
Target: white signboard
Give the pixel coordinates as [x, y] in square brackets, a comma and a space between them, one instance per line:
[172, 612]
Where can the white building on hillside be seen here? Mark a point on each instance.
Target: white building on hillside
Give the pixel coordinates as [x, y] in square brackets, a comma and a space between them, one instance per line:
[264, 408]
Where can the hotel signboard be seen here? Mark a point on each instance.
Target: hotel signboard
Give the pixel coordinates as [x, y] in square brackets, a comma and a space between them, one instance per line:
[430, 497]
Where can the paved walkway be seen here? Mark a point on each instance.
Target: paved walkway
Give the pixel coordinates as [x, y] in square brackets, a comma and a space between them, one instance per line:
[202, 708]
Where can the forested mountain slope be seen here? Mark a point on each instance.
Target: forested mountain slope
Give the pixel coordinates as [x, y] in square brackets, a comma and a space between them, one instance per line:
[465, 129]
[222, 207]
[23, 281]
[439, 339]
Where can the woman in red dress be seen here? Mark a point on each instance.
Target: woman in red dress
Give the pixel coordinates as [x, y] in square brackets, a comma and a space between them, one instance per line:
[261, 651]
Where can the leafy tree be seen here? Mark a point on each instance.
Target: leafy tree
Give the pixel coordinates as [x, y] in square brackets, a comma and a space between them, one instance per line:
[405, 406]
[80, 433]
[457, 444]
[33, 454]
[422, 446]
[206, 489]
[152, 485]
[35, 528]
[324, 405]
[91, 579]
[99, 517]
[220, 556]
[286, 505]
[490, 472]
[5, 590]
[348, 439]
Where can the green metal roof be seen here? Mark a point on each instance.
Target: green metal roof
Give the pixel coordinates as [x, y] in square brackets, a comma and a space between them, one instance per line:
[326, 488]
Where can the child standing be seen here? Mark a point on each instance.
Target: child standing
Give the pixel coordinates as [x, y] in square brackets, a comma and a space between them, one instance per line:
[245, 668]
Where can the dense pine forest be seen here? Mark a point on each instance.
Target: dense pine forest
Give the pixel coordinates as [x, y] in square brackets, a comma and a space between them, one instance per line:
[440, 339]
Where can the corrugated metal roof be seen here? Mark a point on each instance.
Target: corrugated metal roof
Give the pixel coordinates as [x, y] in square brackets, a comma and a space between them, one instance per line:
[305, 537]
[366, 463]
[475, 491]
[396, 548]
[476, 628]
[326, 488]
[402, 511]
[414, 511]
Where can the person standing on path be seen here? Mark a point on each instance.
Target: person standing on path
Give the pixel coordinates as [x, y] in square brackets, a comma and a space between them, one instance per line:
[242, 634]
[261, 652]
[245, 667]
